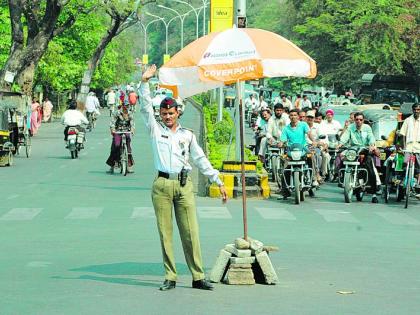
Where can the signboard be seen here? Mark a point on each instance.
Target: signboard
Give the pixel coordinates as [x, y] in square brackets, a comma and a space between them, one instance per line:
[166, 58]
[221, 15]
[9, 76]
[146, 59]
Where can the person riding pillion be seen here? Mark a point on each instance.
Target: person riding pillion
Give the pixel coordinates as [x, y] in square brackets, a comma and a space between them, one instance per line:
[173, 146]
[122, 120]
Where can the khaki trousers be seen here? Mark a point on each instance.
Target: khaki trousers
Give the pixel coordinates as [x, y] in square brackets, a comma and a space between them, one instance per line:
[168, 194]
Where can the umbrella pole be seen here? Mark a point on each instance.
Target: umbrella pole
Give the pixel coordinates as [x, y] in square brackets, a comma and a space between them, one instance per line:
[241, 133]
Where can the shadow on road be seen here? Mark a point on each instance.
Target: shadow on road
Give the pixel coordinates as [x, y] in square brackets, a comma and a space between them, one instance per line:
[125, 281]
[132, 268]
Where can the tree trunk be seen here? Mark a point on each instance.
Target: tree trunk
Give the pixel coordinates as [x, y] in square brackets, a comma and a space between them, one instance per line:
[95, 60]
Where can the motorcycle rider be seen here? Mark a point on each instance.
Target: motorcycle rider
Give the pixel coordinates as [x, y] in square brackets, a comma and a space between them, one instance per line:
[360, 135]
[261, 130]
[73, 118]
[329, 126]
[287, 104]
[320, 147]
[294, 133]
[122, 120]
[276, 124]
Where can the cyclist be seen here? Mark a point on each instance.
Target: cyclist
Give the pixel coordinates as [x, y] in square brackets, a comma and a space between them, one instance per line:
[122, 120]
[410, 131]
[92, 107]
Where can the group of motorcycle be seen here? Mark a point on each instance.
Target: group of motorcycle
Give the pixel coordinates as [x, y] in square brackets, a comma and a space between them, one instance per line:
[290, 169]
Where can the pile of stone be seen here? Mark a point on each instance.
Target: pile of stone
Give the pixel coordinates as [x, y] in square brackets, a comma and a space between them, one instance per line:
[244, 262]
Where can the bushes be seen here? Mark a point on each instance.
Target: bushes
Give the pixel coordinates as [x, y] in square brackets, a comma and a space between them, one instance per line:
[218, 138]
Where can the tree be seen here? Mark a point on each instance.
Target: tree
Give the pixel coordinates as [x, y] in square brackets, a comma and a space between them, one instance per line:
[123, 14]
[348, 38]
[33, 25]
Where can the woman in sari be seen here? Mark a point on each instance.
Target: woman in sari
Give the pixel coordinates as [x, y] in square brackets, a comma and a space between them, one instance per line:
[47, 107]
[34, 116]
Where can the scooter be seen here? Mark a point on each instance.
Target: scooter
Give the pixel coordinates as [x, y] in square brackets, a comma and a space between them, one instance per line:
[75, 140]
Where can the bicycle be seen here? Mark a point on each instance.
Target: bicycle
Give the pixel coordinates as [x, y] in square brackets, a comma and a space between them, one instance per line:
[409, 180]
[123, 152]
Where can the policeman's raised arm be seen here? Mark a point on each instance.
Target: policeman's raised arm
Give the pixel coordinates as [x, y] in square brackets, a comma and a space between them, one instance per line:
[146, 106]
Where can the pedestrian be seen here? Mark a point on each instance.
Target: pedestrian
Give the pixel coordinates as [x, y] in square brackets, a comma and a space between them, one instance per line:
[34, 116]
[47, 107]
[172, 147]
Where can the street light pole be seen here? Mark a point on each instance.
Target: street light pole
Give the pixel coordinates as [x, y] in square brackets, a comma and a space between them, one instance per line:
[181, 17]
[205, 4]
[145, 27]
[166, 27]
[196, 15]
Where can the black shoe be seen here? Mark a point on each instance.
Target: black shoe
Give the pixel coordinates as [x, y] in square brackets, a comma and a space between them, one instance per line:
[202, 284]
[167, 285]
[375, 199]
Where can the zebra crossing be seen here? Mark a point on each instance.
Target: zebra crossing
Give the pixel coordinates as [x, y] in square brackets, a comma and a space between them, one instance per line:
[222, 213]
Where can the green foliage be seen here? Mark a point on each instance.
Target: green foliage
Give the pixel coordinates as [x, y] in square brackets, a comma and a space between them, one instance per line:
[5, 30]
[65, 61]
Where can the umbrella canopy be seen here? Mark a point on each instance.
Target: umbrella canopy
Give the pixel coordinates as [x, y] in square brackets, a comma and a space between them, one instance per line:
[236, 54]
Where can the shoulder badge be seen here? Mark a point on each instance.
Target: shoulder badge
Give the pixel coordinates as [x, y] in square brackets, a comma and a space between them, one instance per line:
[188, 129]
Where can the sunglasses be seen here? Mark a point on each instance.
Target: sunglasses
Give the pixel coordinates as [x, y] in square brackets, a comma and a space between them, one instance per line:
[359, 119]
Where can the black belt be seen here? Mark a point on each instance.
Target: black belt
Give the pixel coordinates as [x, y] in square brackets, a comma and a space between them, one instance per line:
[167, 175]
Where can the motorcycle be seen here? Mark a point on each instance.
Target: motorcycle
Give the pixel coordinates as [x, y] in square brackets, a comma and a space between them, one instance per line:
[299, 173]
[333, 152]
[354, 177]
[75, 140]
[394, 174]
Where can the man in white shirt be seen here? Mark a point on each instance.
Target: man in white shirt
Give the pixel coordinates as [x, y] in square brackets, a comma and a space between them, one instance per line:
[173, 146]
[321, 146]
[306, 103]
[287, 104]
[263, 104]
[330, 126]
[410, 130]
[73, 118]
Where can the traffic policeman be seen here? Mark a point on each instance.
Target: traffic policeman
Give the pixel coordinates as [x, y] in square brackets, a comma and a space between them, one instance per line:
[172, 147]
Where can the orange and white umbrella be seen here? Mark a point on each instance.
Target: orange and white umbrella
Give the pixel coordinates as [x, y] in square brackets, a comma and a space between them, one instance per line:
[236, 54]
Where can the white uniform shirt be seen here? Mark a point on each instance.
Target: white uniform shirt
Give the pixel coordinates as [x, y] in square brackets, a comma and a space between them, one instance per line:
[172, 150]
[331, 128]
[73, 117]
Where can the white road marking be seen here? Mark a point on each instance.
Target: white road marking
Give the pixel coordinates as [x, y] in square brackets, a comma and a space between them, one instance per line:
[84, 213]
[38, 264]
[276, 214]
[337, 215]
[214, 213]
[398, 218]
[12, 197]
[63, 166]
[84, 153]
[21, 214]
[143, 212]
